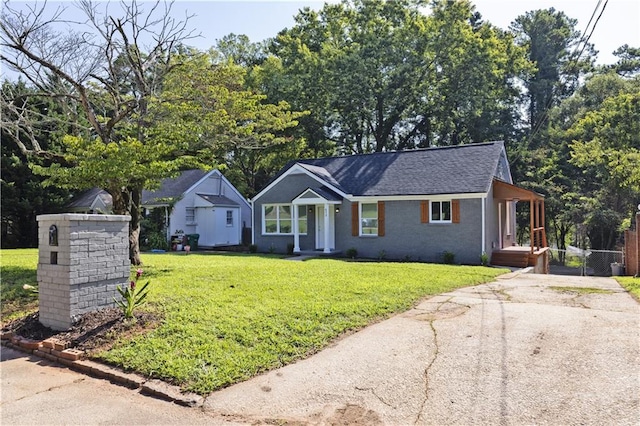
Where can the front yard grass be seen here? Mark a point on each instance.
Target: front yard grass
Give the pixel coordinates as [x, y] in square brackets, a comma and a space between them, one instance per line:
[631, 284]
[230, 317]
[17, 268]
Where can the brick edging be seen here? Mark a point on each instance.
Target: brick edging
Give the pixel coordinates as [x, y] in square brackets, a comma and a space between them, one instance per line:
[58, 351]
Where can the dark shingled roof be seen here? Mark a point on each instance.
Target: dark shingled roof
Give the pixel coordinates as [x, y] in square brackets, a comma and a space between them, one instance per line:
[173, 187]
[445, 170]
[218, 200]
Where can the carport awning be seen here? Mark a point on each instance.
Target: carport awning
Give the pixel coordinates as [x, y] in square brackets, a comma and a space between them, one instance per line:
[506, 191]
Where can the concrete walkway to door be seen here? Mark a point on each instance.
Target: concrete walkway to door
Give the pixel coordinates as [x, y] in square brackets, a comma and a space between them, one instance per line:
[526, 349]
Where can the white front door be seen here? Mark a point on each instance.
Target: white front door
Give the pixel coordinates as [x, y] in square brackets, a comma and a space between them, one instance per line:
[320, 231]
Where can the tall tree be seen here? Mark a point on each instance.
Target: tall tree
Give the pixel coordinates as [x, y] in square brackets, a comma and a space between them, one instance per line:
[381, 75]
[104, 72]
[205, 106]
[23, 194]
[590, 171]
[560, 54]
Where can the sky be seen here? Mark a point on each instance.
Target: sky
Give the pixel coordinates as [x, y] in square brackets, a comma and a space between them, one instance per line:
[619, 24]
[261, 19]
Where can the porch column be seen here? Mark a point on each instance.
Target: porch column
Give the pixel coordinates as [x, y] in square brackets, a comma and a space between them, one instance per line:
[532, 212]
[327, 248]
[296, 231]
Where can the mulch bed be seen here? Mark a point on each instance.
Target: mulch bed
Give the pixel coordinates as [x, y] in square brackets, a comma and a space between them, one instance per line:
[92, 332]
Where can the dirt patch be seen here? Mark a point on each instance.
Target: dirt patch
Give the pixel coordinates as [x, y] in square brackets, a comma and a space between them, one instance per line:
[92, 332]
[354, 415]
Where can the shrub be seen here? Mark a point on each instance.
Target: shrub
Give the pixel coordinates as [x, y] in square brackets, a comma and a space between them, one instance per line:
[484, 259]
[253, 248]
[290, 248]
[351, 253]
[382, 255]
[449, 258]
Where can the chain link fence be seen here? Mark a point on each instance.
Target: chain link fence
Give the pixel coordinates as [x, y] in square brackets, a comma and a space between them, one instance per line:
[575, 261]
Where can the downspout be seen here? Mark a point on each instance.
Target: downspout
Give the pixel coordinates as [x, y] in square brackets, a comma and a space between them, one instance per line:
[484, 225]
[253, 223]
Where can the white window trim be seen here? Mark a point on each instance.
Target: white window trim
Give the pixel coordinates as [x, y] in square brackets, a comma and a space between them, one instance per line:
[277, 207]
[186, 216]
[431, 220]
[360, 219]
[229, 225]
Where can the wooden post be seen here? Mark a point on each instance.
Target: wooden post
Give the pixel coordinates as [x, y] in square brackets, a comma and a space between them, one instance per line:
[531, 221]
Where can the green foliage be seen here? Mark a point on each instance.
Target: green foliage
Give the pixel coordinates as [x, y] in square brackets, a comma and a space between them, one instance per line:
[448, 257]
[484, 259]
[132, 296]
[351, 253]
[253, 248]
[382, 75]
[206, 108]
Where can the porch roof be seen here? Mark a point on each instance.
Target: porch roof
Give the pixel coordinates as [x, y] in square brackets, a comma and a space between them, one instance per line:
[318, 194]
[506, 191]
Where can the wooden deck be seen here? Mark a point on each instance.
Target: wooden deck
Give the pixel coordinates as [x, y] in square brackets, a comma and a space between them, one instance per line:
[522, 257]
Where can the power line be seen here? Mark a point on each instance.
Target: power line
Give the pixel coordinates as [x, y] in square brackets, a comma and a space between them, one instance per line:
[573, 58]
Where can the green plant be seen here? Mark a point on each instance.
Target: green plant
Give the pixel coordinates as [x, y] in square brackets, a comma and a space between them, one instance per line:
[484, 259]
[272, 249]
[132, 296]
[351, 253]
[449, 257]
[290, 248]
[382, 255]
[157, 240]
[253, 248]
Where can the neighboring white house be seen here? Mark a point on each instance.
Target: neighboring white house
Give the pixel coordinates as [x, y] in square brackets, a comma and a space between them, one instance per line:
[203, 203]
[94, 200]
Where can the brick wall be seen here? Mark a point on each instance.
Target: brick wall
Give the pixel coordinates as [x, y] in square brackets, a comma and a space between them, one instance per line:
[80, 274]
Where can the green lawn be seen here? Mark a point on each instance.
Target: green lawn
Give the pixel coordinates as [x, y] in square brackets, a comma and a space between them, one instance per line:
[631, 284]
[17, 267]
[230, 317]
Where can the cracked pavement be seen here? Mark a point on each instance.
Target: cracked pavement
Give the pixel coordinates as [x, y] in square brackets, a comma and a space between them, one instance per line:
[515, 351]
[525, 349]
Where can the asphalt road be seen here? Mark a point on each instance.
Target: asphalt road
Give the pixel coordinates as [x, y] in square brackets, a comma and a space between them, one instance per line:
[513, 352]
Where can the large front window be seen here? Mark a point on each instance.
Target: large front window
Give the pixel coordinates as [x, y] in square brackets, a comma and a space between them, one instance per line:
[441, 211]
[369, 219]
[278, 219]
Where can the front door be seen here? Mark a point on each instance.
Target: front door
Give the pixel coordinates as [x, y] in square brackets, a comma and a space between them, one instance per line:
[320, 228]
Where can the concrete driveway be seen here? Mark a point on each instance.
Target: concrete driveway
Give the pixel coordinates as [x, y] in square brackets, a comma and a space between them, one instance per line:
[512, 352]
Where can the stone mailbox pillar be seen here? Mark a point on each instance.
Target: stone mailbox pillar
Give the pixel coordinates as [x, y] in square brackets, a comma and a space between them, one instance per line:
[82, 258]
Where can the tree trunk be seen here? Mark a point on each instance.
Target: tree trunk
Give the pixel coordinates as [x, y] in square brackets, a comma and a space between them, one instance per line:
[126, 201]
[134, 226]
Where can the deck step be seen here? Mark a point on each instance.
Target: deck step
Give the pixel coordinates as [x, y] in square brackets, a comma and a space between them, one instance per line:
[513, 259]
